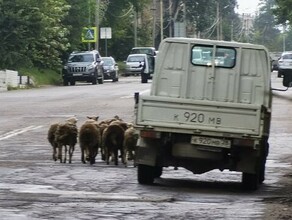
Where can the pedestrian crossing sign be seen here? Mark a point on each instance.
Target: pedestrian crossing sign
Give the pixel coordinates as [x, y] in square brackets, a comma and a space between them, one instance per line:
[89, 34]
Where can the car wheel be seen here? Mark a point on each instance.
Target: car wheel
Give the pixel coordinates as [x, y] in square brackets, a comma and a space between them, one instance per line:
[65, 82]
[100, 81]
[287, 79]
[94, 81]
[144, 78]
[72, 83]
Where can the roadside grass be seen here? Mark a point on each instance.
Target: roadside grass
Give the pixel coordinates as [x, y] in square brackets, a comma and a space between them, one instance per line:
[42, 76]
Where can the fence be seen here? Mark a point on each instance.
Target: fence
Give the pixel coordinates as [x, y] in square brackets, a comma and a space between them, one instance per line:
[10, 78]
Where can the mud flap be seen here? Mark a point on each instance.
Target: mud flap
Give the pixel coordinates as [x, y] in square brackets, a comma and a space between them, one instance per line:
[147, 152]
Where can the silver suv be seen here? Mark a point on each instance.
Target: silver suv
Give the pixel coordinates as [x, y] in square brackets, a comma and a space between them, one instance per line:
[85, 66]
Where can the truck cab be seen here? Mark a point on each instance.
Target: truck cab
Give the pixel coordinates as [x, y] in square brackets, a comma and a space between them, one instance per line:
[209, 108]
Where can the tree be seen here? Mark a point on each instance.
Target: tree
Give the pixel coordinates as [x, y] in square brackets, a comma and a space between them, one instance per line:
[32, 33]
[265, 29]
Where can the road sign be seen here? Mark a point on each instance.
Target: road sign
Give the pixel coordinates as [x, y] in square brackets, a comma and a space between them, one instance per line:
[89, 34]
[105, 33]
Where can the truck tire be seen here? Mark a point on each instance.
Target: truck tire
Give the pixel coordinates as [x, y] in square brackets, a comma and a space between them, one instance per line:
[262, 162]
[145, 174]
[72, 82]
[250, 181]
[158, 172]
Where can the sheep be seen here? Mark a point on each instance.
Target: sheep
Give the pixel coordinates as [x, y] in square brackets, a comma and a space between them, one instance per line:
[63, 134]
[51, 139]
[113, 138]
[103, 125]
[89, 140]
[130, 143]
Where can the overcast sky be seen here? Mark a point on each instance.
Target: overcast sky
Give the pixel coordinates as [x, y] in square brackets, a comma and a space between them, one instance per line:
[247, 6]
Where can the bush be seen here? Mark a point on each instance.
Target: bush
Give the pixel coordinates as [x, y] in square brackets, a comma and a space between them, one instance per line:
[42, 76]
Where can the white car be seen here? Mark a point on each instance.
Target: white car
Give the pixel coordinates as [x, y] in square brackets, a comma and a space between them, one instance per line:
[285, 64]
[134, 64]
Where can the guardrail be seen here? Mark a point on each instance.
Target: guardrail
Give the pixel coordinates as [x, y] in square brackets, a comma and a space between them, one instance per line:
[11, 78]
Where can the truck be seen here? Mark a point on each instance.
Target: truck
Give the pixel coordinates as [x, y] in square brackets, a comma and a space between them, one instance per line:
[206, 112]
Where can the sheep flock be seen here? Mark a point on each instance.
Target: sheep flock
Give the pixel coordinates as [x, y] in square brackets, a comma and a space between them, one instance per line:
[111, 138]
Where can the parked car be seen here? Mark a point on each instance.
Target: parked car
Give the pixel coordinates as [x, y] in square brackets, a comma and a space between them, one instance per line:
[83, 66]
[110, 68]
[285, 64]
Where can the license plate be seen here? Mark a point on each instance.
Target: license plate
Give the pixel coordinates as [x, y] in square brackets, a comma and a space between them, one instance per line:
[207, 141]
[77, 74]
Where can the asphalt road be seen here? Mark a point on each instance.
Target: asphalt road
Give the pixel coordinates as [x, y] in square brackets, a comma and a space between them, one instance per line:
[33, 186]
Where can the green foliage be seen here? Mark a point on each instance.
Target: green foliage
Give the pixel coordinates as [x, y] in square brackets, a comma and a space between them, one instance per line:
[283, 11]
[31, 33]
[41, 34]
[42, 76]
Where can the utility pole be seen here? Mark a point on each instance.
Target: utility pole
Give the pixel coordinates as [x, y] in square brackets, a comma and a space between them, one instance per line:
[135, 28]
[97, 23]
[154, 22]
[218, 21]
[171, 19]
[89, 21]
[161, 20]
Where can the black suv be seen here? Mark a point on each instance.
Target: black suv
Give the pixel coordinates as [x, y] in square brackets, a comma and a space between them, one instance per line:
[84, 66]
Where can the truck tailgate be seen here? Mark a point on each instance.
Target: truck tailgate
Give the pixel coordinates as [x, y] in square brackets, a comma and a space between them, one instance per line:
[189, 116]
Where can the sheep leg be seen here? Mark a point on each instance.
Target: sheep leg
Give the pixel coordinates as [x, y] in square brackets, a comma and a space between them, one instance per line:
[125, 156]
[82, 156]
[55, 147]
[116, 157]
[92, 155]
[65, 154]
[107, 156]
[60, 153]
[71, 150]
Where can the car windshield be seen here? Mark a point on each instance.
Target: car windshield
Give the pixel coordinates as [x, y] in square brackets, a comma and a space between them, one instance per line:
[136, 59]
[108, 62]
[287, 56]
[81, 58]
[143, 51]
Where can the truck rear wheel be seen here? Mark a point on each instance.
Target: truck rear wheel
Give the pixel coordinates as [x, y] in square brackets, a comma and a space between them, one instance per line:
[250, 181]
[146, 174]
[158, 172]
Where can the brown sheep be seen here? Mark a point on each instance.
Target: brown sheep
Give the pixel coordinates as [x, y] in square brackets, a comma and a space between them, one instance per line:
[66, 135]
[130, 143]
[89, 140]
[51, 139]
[113, 138]
[52, 136]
